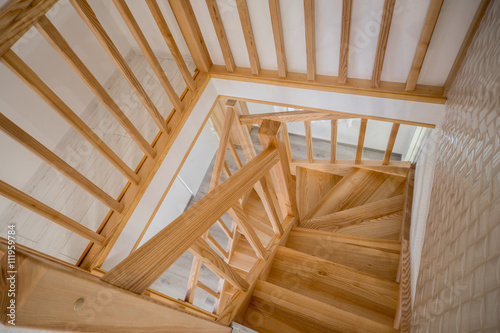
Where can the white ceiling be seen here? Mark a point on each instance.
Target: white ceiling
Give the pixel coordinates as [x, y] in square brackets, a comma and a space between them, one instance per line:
[408, 20]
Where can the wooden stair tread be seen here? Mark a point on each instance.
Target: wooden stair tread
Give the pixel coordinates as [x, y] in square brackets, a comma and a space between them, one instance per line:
[312, 185]
[292, 311]
[340, 286]
[243, 257]
[385, 227]
[356, 215]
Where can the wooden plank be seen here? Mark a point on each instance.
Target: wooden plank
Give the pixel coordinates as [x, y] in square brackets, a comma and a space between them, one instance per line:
[208, 289]
[55, 296]
[402, 320]
[213, 9]
[193, 280]
[314, 313]
[246, 25]
[356, 215]
[150, 56]
[245, 112]
[423, 44]
[385, 227]
[390, 144]
[215, 263]
[269, 206]
[337, 285]
[113, 224]
[481, 10]
[42, 209]
[286, 142]
[271, 136]
[345, 32]
[224, 228]
[312, 185]
[18, 67]
[385, 27]
[234, 153]
[291, 116]
[362, 87]
[57, 41]
[242, 132]
[30, 143]
[144, 266]
[17, 17]
[405, 227]
[310, 39]
[309, 144]
[217, 246]
[190, 29]
[333, 141]
[343, 167]
[88, 16]
[361, 140]
[246, 229]
[170, 41]
[221, 150]
[274, 8]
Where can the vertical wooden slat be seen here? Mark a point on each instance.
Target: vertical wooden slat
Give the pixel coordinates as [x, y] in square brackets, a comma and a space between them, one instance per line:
[57, 41]
[333, 140]
[287, 142]
[234, 152]
[16, 133]
[190, 29]
[481, 9]
[42, 209]
[193, 280]
[224, 228]
[221, 151]
[170, 41]
[208, 289]
[423, 44]
[246, 25]
[210, 259]
[246, 229]
[274, 7]
[390, 143]
[310, 156]
[18, 67]
[148, 53]
[269, 206]
[310, 39]
[213, 9]
[344, 40]
[88, 16]
[361, 140]
[385, 27]
[216, 244]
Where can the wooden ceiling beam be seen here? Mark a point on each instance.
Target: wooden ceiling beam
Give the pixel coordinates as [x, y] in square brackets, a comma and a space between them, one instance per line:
[385, 27]
[310, 39]
[481, 10]
[423, 44]
[274, 8]
[246, 25]
[213, 9]
[344, 40]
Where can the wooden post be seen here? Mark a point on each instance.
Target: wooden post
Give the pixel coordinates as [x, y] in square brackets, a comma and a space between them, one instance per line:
[271, 136]
[53, 295]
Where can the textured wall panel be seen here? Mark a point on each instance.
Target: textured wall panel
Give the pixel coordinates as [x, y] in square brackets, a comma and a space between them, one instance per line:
[458, 286]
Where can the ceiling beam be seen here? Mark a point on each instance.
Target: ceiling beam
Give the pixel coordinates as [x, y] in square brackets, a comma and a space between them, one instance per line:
[344, 39]
[246, 25]
[394, 90]
[310, 39]
[274, 8]
[481, 9]
[213, 9]
[385, 27]
[423, 44]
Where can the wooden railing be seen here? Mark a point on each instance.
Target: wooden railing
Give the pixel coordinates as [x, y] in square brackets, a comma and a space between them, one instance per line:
[16, 17]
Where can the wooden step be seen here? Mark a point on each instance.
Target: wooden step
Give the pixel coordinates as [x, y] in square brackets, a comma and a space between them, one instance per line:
[337, 285]
[385, 227]
[357, 215]
[371, 260]
[243, 257]
[353, 190]
[312, 185]
[277, 309]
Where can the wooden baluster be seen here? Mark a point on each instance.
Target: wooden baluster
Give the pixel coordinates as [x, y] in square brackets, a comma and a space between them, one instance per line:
[213, 9]
[309, 144]
[246, 26]
[246, 228]
[310, 39]
[333, 149]
[274, 8]
[390, 143]
[361, 141]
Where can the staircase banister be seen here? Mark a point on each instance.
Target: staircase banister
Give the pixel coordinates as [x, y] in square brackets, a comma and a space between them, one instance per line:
[144, 266]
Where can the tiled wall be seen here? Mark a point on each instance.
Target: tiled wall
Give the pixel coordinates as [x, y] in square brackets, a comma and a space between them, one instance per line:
[458, 287]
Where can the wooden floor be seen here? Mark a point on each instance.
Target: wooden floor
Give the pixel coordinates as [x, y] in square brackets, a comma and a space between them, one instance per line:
[55, 190]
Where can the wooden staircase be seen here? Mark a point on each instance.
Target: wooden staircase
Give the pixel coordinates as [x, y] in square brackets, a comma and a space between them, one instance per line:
[337, 270]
